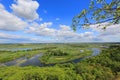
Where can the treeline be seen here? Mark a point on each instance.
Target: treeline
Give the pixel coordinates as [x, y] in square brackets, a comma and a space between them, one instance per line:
[55, 52]
[52, 52]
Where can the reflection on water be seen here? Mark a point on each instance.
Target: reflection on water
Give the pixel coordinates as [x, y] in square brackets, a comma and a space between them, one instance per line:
[96, 51]
[16, 61]
[24, 61]
[33, 61]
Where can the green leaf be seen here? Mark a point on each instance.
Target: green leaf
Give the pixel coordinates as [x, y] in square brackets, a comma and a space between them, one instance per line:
[84, 11]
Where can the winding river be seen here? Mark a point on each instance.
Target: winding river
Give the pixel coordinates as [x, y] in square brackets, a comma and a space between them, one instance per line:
[34, 61]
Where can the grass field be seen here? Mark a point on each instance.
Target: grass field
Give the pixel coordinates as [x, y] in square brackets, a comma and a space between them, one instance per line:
[64, 53]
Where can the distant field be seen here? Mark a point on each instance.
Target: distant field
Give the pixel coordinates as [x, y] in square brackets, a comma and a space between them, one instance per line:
[22, 46]
[36, 46]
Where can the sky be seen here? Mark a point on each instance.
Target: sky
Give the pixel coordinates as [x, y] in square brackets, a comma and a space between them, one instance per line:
[49, 21]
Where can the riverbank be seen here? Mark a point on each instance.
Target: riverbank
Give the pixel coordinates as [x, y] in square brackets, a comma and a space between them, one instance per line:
[65, 54]
[75, 59]
[6, 56]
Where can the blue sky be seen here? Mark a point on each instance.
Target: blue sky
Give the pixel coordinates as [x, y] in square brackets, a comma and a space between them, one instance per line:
[48, 21]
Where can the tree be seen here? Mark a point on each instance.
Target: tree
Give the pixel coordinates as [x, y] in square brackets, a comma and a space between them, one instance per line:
[99, 11]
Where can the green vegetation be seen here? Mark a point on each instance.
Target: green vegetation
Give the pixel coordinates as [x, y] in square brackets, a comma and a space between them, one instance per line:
[105, 66]
[65, 53]
[37, 73]
[14, 47]
[6, 56]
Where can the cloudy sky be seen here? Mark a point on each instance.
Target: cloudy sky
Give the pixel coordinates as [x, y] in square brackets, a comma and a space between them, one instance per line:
[48, 21]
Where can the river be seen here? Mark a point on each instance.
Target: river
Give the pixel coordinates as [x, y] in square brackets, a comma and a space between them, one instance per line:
[34, 61]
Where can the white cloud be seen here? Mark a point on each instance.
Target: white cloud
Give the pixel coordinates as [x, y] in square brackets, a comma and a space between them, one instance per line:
[10, 38]
[87, 34]
[110, 30]
[64, 28]
[41, 29]
[66, 34]
[63, 34]
[26, 9]
[110, 34]
[10, 22]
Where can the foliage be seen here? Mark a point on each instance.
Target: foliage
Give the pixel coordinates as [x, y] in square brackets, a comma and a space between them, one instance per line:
[99, 12]
[37, 73]
[56, 52]
[102, 67]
